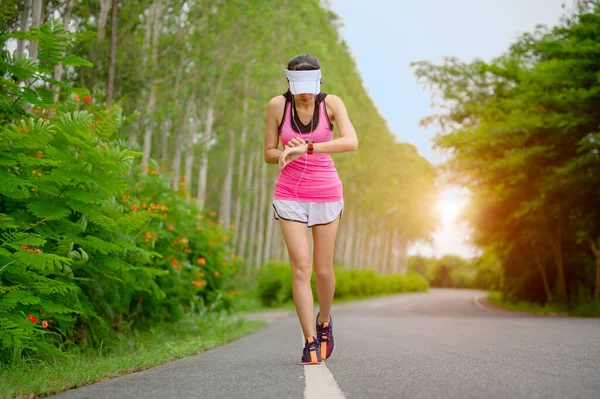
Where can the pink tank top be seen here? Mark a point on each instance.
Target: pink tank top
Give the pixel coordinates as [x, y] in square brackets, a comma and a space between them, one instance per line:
[312, 177]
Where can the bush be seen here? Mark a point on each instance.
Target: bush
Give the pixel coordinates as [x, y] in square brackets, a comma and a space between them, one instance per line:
[90, 243]
[274, 284]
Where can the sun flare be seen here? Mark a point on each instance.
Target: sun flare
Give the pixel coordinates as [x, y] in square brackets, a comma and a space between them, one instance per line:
[450, 205]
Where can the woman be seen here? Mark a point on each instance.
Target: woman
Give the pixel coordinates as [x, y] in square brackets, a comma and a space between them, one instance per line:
[308, 191]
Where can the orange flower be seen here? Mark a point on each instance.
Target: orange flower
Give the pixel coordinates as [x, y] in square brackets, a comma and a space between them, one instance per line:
[39, 155]
[225, 238]
[92, 125]
[77, 97]
[165, 216]
[144, 206]
[217, 273]
[212, 214]
[171, 228]
[20, 129]
[134, 208]
[97, 121]
[198, 283]
[201, 261]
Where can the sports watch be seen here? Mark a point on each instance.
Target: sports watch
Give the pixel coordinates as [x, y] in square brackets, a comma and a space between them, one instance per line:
[311, 148]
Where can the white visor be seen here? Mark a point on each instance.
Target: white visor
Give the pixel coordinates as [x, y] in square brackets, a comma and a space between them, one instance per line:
[304, 81]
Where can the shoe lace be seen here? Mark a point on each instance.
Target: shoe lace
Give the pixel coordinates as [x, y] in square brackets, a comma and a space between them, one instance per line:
[310, 346]
[324, 332]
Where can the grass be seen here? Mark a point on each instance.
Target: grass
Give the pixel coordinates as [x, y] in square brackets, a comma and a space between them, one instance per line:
[132, 353]
[586, 309]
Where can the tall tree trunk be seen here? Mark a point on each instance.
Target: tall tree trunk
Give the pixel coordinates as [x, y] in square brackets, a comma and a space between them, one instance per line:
[102, 18]
[254, 232]
[387, 250]
[596, 251]
[269, 231]
[152, 100]
[58, 69]
[379, 244]
[176, 182]
[182, 134]
[338, 250]
[240, 192]
[164, 148]
[261, 214]
[244, 227]
[190, 152]
[24, 25]
[542, 271]
[110, 83]
[555, 241]
[36, 20]
[277, 241]
[348, 259]
[203, 169]
[225, 208]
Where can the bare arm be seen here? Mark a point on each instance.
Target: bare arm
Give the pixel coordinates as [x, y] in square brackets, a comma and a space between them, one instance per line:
[348, 140]
[271, 152]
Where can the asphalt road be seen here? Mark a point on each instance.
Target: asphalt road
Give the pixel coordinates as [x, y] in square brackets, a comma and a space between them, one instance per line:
[441, 344]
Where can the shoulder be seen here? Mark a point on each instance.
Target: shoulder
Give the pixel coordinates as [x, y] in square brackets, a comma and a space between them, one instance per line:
[333, 101]
[334, 104]
[276, 103]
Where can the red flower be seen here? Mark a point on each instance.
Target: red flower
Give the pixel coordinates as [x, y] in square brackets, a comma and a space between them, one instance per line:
[134, 208]
[39, 155]
[20, 129]
[32, 319]
[174, 262]
[87, 99]
[45, 324]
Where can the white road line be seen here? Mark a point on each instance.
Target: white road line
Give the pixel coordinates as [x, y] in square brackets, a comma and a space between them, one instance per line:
[320, 383]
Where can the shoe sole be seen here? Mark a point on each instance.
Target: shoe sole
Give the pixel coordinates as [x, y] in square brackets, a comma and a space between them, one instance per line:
[310, 364]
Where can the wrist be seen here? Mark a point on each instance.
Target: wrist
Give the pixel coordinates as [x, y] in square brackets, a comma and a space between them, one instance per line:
[310, 147]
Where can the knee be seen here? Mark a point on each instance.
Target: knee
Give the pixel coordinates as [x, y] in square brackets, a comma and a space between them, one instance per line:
[301, 271]
[324, 272]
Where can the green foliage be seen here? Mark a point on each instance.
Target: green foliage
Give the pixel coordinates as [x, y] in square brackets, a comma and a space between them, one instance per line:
[87, 247]
[522, 135]
[452, 271]
[274, 283]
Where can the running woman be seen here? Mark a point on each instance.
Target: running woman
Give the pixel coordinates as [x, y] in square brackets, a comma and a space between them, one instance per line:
[308, 191]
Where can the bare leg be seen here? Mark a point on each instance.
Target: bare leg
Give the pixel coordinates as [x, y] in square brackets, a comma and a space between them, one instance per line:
[296, 240]
[324, 244]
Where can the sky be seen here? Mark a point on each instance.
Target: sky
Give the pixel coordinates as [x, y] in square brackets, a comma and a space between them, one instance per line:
[385, 36]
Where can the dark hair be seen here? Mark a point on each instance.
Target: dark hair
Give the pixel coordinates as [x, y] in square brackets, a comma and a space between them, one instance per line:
[304, 62]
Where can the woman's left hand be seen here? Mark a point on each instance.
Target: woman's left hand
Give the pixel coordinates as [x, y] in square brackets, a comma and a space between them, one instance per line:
[291, 154]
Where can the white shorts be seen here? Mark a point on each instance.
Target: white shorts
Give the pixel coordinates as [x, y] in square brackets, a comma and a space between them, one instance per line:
[311, 213]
